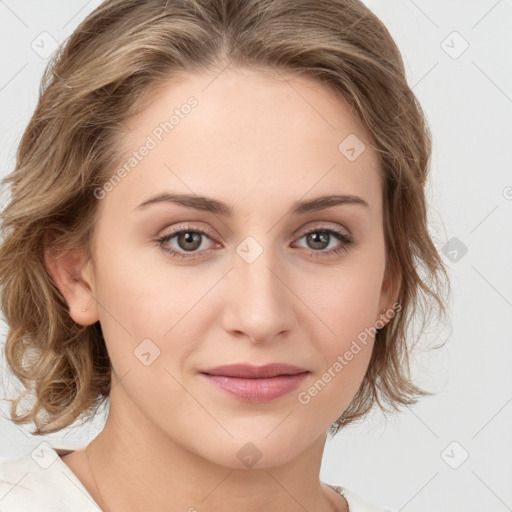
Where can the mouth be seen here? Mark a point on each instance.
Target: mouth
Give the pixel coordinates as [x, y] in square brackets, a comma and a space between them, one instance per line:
[256, 383]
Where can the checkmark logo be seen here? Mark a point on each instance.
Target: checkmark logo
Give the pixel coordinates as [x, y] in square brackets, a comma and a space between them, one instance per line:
[454, 249]
[249, 249]
[351, 147]
[44, 455]
[455, 455]
[249, 455]
[454, 45]
[146, 352]
[44, 44]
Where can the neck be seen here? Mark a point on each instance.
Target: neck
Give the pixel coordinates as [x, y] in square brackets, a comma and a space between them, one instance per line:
[136, 466]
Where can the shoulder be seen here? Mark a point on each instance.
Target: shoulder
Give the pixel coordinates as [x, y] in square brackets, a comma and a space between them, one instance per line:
[355, 502]
[42, 482]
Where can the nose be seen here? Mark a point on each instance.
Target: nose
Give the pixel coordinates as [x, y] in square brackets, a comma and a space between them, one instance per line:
[259, 302]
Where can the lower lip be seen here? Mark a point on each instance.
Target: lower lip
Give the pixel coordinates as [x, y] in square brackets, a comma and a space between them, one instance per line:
[258, 390]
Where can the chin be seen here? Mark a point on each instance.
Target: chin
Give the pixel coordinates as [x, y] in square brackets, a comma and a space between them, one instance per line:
[258, 451]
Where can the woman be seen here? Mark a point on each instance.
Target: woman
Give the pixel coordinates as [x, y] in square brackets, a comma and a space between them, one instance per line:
[217, 223]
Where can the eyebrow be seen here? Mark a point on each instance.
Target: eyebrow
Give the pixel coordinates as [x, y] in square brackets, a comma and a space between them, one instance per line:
[214, 206]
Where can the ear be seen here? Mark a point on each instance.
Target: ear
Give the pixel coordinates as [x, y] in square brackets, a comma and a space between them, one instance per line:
[390, 291]
[75, 281]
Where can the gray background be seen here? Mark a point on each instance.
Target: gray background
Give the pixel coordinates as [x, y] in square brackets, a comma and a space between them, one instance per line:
[452, 451]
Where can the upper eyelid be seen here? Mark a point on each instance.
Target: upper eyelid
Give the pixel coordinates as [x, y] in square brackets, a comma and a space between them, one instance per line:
[300, 233]
[174, 232]
[324, 225]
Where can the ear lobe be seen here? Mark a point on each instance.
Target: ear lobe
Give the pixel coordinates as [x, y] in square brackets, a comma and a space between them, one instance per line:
[72, 279]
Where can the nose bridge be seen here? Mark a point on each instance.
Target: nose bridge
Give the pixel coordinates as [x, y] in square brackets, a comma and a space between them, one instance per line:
[260, 305]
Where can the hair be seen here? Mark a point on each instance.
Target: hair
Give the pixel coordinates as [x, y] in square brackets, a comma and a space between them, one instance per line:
[105, 72]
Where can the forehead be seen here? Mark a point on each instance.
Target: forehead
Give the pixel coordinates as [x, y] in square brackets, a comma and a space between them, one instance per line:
[249, 131]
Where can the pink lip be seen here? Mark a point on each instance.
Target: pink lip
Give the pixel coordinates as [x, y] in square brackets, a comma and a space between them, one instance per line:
[257, 383]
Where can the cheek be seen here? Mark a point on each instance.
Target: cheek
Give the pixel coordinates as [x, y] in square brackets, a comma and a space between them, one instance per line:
[345, 310]
[345, 302]
[345, 356]
[142, 293]
[146, 299]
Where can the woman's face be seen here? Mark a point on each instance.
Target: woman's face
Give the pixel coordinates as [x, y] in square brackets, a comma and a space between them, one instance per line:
[242, 273]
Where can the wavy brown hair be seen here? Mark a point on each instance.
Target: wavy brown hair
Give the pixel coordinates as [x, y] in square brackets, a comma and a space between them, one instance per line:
[106, 72]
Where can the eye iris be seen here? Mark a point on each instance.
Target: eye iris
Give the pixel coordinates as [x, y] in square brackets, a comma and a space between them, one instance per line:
[320, 238]
[189, 238]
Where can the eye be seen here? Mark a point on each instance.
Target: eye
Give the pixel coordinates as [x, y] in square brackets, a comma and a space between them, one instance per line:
[188, 240]
[320, 239]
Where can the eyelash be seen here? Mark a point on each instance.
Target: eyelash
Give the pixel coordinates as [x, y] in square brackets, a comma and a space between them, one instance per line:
[346, 240]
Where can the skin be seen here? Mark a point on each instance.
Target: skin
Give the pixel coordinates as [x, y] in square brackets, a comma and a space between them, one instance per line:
[257, 142]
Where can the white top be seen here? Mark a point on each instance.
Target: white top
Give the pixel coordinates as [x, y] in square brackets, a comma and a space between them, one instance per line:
[43, 482]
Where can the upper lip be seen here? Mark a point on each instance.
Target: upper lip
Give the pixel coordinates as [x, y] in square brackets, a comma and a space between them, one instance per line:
[249, 371]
